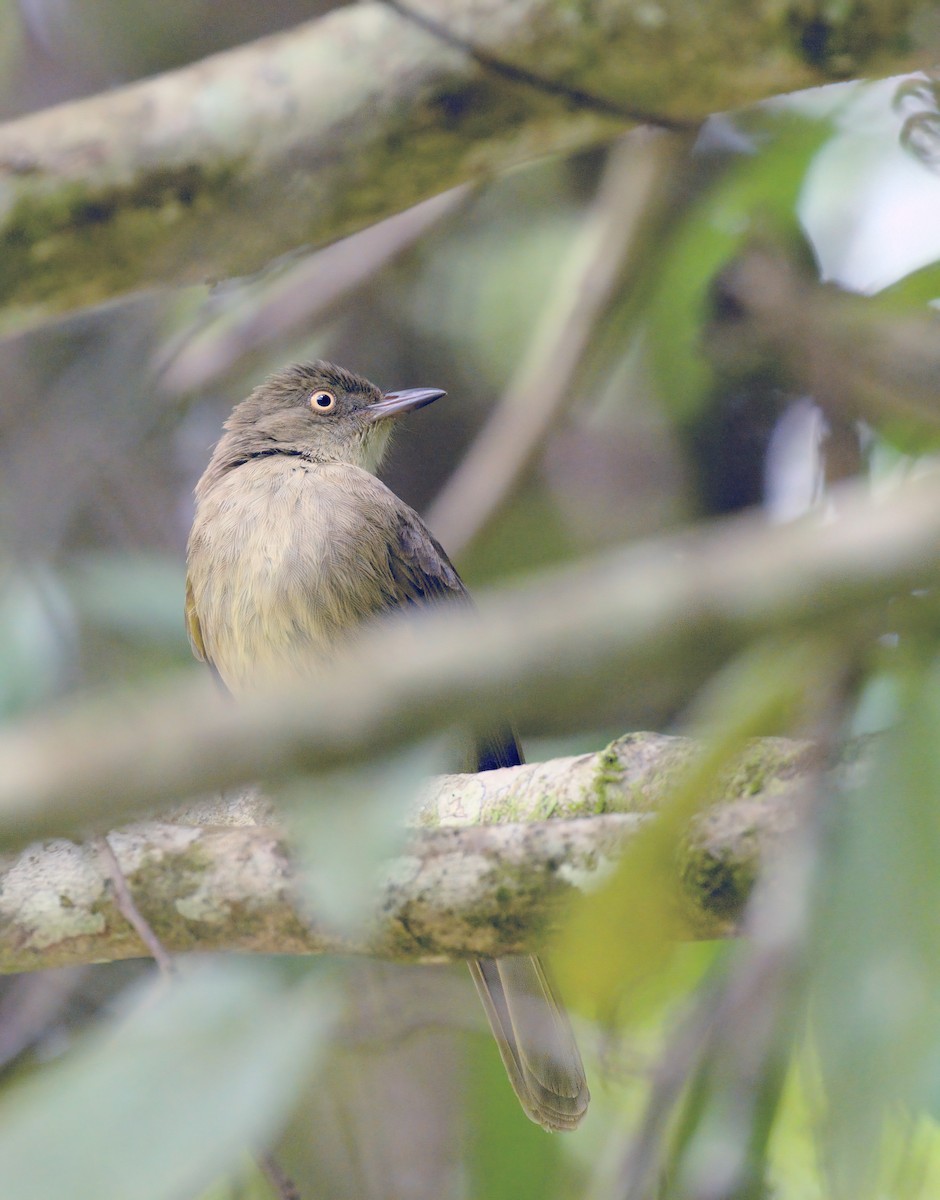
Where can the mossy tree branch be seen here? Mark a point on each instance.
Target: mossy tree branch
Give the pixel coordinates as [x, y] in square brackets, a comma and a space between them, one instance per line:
[459, 888]
[298, 139]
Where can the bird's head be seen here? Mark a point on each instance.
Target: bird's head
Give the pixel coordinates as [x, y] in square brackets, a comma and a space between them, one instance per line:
[320, 411]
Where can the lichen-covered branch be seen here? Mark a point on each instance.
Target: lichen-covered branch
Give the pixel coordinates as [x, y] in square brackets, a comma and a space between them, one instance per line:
[459, 888]
[217, 168]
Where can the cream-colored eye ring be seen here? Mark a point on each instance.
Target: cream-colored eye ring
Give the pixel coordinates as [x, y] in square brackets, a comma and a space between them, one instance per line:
[322, 401]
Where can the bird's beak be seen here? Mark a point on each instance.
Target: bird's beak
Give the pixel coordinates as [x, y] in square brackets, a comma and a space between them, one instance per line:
[393, 404]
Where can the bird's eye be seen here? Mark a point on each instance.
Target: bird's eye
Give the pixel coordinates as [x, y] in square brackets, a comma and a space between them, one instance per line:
[323, 402]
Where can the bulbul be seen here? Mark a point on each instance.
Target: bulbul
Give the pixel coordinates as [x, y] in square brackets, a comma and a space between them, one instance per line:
[295, 544]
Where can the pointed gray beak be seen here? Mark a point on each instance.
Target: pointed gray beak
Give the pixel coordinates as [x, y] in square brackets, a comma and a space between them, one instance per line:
[394, 404]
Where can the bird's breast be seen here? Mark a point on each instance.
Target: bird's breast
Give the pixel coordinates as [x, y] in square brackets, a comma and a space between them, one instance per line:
[286, 559]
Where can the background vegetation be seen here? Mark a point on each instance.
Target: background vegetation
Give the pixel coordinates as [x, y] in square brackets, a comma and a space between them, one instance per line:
[642, 329]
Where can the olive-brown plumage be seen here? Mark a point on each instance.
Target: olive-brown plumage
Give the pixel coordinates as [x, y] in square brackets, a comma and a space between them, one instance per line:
[295, 544]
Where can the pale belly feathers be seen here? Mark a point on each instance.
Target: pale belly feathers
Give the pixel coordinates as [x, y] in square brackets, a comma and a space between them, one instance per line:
[295, 567]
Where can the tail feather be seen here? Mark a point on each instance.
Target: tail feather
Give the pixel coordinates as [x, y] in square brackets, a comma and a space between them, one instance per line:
[531, 1027]
[535, 1040]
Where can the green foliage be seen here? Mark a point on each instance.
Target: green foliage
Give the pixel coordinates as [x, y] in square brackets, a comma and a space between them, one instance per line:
[172, 1099]
[876, 941]
[192, 1077]
[36, 637]
[510, 1158]
[132, 596]
[346, 824]
[753, 200]
[628, 928]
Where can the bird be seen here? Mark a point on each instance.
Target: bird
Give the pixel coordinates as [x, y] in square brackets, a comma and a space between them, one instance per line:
[296, 545]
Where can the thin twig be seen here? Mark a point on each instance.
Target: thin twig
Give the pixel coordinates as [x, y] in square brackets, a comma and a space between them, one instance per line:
[547, 377]
[577, 97]
[298, 298]
[131, 913]
[281, 1183]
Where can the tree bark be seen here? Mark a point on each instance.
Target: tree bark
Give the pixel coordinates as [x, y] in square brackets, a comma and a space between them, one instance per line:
[298, 139]
[459, 888]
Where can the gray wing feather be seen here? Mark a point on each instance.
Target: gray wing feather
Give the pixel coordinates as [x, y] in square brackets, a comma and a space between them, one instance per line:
[419, 565]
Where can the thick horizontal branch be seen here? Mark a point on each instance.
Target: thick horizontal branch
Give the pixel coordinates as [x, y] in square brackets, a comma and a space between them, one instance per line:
[632, 632]
[455, 891]
[301, 138]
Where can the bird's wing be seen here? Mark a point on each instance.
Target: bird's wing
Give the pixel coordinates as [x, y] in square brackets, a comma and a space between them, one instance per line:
[419, 566]
[196, 640]
[193, 628]
[423, 574]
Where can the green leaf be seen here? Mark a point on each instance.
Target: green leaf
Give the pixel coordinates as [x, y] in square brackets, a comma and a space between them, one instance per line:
[510, 1157]
[876, 944]
[919, 288]
[138, 596]
[36, 637]
[345, 825]
[159, 1106]
[625, 932]
[755, 198]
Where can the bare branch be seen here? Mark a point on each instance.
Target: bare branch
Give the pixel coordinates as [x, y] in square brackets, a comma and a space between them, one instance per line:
[455, 891]
[298, 298]
[856, 355]
[548, 375]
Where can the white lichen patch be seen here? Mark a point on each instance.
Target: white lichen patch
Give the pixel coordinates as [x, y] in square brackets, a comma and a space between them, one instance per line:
[49, 893]
[202, 906]
[458, 800]
[588, 878]
[233, 880]
[244, 806]
[464, 877]
[149, 842]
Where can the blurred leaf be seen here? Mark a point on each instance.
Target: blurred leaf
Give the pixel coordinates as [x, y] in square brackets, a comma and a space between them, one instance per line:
[910, 438]
[346, 824]
[37, 638]
[11, 50]
[911, 1166]
[877, 707]
[734, 1094]
[721, 1079]
[756, 197]
[510, 1157]
[915, 290]
[626, 931]
[247, 1184]
[877, 940]
[137, 596]
[160, 1106]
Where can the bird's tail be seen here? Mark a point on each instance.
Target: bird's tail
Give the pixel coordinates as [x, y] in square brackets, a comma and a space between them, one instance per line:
[535, 1040]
